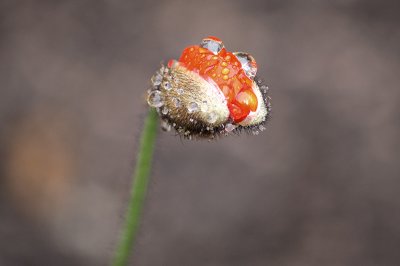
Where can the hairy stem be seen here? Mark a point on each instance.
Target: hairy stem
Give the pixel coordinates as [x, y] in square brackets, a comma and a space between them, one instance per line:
[138, 190]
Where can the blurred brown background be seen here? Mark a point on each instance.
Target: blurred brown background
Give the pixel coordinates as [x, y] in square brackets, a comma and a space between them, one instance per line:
[319, 187]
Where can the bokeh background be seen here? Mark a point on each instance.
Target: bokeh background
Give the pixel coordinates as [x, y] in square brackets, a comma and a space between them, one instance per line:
[319, 187]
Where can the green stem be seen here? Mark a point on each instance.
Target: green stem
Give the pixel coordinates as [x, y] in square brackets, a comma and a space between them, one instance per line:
[138, 190]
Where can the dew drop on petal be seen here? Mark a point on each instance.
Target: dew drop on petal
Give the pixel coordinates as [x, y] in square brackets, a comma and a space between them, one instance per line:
[192, 107]
[156, 79]
[155, 99]
[164, 110]
[212, 45]
[179, 91]
[177, 103]
[165, 126]
[249, 65]
[264, 88]
[250, 71]
[167, 86]
[229, 127]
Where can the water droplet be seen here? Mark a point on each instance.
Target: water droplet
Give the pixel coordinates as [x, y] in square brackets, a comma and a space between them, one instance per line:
[165, 126]
[177, 103]
[249, 65]
[212, 45]
[179, 91]
[156, 79]
[225, 71]
[264, 88]
[167, 86]
[155, 99]
[164, 110]
[192, 107]
[211, 117]
[229, 127]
